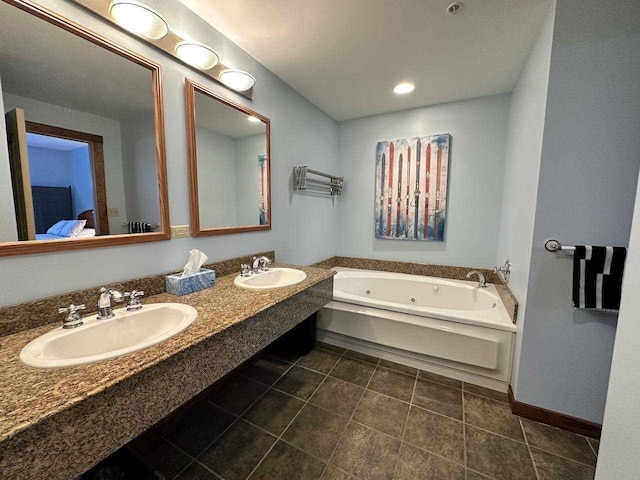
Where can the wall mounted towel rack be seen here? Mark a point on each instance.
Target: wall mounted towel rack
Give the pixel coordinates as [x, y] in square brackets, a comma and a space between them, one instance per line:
[554, 245]
[303, 182]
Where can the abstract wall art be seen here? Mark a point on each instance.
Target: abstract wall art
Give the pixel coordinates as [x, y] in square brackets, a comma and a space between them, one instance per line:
[411, 188]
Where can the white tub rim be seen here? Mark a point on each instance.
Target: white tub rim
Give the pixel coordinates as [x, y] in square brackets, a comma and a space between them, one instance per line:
[471, 317]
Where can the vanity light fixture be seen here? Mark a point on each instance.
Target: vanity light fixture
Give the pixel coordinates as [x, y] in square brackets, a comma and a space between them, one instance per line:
[140, 19]
[150, 26]
[404, 88]
[197, 54]
[253, 119]
[237, 79]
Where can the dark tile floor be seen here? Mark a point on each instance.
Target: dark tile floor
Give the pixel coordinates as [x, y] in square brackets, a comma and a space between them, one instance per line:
[336, 414]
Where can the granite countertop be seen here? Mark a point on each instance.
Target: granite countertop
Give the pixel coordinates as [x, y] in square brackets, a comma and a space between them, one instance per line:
[30, 395]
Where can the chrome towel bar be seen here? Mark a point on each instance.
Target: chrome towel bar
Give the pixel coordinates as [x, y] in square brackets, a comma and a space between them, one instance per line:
[554, 245]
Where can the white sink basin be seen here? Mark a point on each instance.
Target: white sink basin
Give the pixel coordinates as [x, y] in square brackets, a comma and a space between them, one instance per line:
[272, 278]
[98, 340]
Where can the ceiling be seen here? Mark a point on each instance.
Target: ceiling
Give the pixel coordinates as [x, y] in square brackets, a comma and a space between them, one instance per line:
[221, 118]
[53, 143]
[347, 55]
[46, 63]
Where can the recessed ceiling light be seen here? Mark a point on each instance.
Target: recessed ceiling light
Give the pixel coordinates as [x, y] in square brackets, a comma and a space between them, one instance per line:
[254, 119]
[454, 8]
[197, 54]
[404, 88]
[237, 79]
[139, 19]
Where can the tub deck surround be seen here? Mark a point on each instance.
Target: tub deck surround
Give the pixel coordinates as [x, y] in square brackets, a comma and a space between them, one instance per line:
[426, 270]
[35, 313]
[58, 423]
[454, 300]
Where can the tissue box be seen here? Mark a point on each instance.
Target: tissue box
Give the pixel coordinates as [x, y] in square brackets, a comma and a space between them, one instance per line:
[193, 283]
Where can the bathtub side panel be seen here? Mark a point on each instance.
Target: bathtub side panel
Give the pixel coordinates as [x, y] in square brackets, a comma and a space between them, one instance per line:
[469, 348]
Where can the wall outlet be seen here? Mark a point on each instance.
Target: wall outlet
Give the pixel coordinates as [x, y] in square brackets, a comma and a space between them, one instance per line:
[112, 212]
[179, 231]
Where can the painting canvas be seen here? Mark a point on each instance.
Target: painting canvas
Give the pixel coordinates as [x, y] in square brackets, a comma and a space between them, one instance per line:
[411, 188]
[263, 189]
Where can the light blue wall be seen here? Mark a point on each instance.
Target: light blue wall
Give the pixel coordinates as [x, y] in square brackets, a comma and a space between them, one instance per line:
[63, 168]
[49, 168]
[522, 167]
[587, 186]
[139, 169]
[304, 227]
[81, 180]
[478, 129]
[217, 179]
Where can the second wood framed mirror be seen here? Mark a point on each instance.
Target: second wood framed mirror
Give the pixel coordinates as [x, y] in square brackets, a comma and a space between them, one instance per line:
[229, 164]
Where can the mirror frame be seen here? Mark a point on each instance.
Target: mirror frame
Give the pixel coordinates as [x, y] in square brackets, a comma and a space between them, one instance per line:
[191, 87]
[35, 246]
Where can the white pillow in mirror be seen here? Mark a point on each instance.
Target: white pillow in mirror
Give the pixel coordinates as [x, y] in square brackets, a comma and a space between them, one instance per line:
[86, 232]
[67, 228]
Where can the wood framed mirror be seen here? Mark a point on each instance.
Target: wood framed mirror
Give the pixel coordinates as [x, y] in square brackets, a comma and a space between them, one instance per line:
[229, 164]
[84, 161]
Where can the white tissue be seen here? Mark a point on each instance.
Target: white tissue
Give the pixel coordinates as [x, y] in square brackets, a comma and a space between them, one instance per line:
[196, 260]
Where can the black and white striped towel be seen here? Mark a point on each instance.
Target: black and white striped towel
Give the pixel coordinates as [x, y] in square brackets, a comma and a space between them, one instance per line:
[139, 227]
[597, 277]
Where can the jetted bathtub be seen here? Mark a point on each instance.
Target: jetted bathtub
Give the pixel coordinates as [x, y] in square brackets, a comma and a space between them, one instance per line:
[449, 327]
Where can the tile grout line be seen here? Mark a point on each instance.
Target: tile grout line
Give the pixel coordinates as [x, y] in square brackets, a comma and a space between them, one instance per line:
[359, 386]
[554, 453]
[372, 428]
[406, 421]
[357, 423]
[279, 437]
[563, 457]
[464, 435]
[238, 417]
[364, 390]
[535, 468]
[350, 419]
[592, 449]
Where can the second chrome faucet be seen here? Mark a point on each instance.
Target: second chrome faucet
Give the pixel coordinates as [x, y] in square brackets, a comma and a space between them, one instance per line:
[107, 297]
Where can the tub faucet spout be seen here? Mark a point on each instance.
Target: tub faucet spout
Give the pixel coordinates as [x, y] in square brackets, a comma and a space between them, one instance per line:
[482, 283]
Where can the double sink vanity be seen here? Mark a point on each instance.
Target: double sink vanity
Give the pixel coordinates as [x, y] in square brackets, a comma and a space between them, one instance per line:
[72, 396]
[91, 389]
[80, 341]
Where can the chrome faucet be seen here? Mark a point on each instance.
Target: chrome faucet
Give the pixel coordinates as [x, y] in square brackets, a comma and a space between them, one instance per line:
[245, 270]
[262, 260]
[134, 302]
[105, 310]
[73, 319]
[482, 283]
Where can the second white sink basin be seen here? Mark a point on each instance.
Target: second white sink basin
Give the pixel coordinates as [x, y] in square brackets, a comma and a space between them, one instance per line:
[98, 340]
[272, 278]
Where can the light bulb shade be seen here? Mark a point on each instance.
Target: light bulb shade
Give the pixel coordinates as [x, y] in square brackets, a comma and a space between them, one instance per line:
[197, 54]
[237, 80]
[139, 19]
[404, 88]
